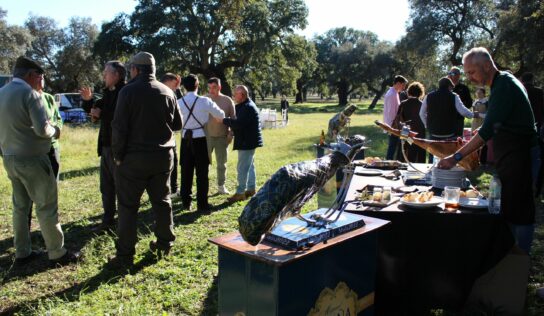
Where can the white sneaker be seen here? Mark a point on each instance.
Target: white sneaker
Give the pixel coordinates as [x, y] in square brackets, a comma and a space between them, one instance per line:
[222, 190]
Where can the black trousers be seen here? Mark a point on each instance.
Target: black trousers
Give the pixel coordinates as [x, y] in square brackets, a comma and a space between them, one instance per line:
[148, 171]
[174, 175]
[194, 157]
[107, 185]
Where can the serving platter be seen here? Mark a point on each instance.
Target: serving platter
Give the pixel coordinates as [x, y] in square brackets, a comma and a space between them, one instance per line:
[435, 201]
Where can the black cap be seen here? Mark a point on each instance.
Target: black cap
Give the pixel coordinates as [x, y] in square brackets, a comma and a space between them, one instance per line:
[27, 63]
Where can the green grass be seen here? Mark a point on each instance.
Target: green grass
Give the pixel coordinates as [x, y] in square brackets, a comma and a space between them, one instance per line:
[184, 283]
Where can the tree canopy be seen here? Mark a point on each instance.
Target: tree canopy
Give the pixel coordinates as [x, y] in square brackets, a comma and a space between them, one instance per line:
[14, 41]
[254, 42]
[207, 37]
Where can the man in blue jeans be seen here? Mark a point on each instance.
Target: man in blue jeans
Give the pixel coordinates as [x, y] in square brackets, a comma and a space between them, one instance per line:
[247, 137]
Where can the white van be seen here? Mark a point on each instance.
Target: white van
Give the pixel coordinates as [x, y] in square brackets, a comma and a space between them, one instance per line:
[70, 107]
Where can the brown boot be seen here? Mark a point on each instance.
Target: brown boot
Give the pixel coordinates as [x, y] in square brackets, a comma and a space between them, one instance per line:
[249, 193]
[236, 197]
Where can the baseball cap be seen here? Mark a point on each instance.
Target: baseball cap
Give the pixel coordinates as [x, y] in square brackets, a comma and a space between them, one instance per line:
[142, 58]
[454, 71]
[27, 63]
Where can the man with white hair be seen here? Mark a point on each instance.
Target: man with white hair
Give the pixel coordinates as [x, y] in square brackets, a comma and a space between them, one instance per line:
[511, 125]
[247, 137]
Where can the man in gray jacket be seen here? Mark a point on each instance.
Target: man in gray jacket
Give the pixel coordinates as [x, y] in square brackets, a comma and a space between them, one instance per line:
[25, 140]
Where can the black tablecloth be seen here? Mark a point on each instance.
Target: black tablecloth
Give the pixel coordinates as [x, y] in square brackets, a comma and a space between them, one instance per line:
[430, 259]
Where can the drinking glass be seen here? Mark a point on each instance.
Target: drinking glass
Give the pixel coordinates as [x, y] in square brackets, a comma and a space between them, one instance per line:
[451, 198]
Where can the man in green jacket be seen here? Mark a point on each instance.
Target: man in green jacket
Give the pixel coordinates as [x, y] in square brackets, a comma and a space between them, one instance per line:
[53, 114]
[510, 123]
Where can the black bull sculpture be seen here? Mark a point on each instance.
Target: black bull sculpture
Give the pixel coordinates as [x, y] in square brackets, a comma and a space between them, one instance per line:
[287, 190]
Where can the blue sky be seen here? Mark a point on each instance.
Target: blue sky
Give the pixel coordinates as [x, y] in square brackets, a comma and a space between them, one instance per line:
[387, 18]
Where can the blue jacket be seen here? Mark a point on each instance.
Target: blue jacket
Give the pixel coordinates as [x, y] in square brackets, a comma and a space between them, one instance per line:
[246, 126]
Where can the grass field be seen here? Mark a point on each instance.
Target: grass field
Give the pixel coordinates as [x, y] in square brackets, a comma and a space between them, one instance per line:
[184, 283]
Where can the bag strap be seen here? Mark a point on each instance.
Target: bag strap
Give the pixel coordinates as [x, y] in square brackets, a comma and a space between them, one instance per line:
[191, 114]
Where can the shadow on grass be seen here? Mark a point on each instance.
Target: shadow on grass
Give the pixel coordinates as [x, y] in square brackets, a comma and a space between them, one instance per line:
[78, 173]
[211, 304]
[77, 236]
[107, 275]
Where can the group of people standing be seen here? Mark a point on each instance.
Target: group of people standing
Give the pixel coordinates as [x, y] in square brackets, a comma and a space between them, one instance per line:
[137, 149]
[508, 121]
[439, 115]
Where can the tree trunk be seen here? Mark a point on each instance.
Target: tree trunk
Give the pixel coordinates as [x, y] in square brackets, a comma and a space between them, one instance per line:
[215, 72]
[298, 97]
[374, 101]
[342, 91]
[379, 93]
[304, 94]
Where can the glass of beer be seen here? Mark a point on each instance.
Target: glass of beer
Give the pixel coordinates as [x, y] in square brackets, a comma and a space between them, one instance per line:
[451, 198]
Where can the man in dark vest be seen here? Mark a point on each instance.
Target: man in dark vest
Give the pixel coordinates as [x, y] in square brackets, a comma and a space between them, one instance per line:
[438, 109]
[463, 91]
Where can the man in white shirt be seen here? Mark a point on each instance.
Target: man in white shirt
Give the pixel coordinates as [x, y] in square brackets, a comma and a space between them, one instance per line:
[196, 110]
[391, 103]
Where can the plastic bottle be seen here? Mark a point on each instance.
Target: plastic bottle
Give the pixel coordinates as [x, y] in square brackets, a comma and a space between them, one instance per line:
[494, 200]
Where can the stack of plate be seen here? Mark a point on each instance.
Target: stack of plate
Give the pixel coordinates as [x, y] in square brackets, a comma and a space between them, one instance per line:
[454, 177]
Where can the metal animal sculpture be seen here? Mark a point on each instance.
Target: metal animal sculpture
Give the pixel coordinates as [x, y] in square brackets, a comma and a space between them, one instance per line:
[287, 190]
[340, 122]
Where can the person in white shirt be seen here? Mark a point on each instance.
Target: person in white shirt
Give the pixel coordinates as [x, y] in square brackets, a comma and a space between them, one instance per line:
[196, 110]
[391, 103]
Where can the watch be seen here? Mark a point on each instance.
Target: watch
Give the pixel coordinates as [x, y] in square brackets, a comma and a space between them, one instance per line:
[458, 156]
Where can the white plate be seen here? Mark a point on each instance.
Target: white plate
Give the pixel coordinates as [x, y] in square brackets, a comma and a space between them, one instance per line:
[473, 203]
[432, 203]
[368, 172]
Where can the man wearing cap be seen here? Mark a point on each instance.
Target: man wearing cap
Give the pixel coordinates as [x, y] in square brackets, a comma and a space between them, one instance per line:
[143, 128]
[194, 157]
[219, 135]
[464, 94]
[437, 109]
[102, 110]
[25, 141]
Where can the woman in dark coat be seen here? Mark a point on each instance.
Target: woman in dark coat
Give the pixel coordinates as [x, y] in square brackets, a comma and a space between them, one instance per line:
[409, 114]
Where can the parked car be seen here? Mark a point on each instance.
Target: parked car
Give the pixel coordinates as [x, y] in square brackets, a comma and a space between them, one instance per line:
[70, 107]
[5, 79]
